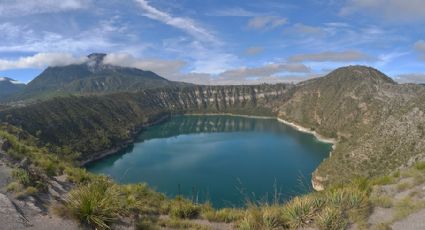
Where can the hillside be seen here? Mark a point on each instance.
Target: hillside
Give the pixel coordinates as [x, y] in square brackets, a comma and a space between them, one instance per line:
[92, 123]
[378, 123]
[92, 77]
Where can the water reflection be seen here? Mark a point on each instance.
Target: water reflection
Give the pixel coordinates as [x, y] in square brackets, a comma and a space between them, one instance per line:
[222, 158]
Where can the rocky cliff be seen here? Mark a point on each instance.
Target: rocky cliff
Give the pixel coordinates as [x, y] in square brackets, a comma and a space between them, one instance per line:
[93, 124]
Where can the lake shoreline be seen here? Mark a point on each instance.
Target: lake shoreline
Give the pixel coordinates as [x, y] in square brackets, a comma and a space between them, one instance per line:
[100, 155]
[124, 144]
[306, 130]
[229, 114]
[300, 128]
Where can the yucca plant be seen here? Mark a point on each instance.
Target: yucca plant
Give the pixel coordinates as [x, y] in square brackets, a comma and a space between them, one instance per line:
[300, 211]
[184, 209]
[252, 219]
[272, 218]
[95, 204]
[331, 218]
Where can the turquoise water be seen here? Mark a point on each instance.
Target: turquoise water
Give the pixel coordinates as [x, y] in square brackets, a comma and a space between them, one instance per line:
[223, 159]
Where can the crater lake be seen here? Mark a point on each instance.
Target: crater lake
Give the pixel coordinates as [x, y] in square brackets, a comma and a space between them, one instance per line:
[223, 159]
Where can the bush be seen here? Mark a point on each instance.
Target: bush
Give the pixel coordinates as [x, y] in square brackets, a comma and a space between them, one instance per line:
[252, 219]
[226, 215]
[96, 204]
[272, 217]
[331, 219]
[14, 187]
[78, 175]
[184, 209]
[420, 165]
[22, 176]
[299, 212]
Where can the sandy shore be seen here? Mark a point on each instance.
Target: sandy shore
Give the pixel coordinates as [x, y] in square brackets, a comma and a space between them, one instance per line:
[228, 114]
[293, 125]
[305, 130]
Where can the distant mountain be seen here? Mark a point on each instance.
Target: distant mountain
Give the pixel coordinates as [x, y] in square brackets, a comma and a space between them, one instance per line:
[9, 86]
[93, 77]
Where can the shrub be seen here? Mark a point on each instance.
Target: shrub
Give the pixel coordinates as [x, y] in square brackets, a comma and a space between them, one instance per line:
[226, 215]
[96, 204]
[252, 219]
[184, 209]
[272, 217]
[22, 176]
[347, 198]
[140, 199]
[78, 175]
[382, 201]
[299, 212]
[14, 187]
[331, 219]
[420, 165]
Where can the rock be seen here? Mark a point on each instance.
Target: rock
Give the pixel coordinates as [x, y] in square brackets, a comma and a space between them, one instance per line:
[10, 218]
[317, 183]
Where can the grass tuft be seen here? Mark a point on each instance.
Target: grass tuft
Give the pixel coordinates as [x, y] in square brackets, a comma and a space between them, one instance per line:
[96, 204]
[331, 219]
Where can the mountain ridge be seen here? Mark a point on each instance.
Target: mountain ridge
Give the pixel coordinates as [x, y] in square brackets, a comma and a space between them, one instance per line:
[9, 86]
[92, 77]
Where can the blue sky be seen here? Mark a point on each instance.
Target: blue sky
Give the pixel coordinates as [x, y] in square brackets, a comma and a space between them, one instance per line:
[216, 41]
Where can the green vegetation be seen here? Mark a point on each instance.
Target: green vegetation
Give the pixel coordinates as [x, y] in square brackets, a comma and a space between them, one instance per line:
[93, 124]
[378, 124]
[420, 165]
[96, 203]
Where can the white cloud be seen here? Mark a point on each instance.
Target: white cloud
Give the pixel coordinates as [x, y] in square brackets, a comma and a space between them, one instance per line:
[174, 69]
[303, 29]
[392, 10]
[265, 71]
[266, 22]
[99, 37]
[269, 73]
[14, 8]
[254, 50]
[411, 78]
[184, 24]
[41, 60]
[165, 68]
[233, 12]
[344, 56]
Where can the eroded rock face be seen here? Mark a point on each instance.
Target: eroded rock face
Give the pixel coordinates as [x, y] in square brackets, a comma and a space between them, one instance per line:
[318, 183]
[218, 98]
